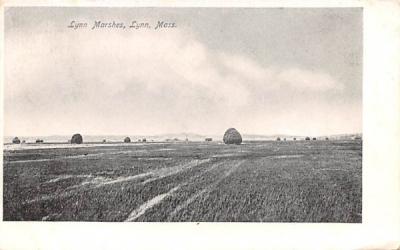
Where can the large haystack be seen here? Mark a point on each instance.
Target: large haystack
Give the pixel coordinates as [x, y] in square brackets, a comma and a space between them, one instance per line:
[127, 140]
[16, 140]
[76, 139]
[232, 136]
[307, 138]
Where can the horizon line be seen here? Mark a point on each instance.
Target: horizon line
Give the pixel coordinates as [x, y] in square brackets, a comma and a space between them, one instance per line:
[182, 133]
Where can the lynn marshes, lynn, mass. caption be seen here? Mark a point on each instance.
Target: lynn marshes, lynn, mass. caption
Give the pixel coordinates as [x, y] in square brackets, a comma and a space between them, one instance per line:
[121, 25]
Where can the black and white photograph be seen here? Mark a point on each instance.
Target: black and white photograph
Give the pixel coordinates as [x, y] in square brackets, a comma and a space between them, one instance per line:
[199, 125]
[183, 114]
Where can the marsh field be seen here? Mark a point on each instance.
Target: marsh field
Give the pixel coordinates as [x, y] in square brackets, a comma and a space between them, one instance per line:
[259, 181]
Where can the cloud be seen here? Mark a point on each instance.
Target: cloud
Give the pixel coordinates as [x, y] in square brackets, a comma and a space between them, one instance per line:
[111, 78]
[308, 80]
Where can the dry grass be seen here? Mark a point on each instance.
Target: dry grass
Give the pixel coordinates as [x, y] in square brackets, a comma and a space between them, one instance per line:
[292, 181]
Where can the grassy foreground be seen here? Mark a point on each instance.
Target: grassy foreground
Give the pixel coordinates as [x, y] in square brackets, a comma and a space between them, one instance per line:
[287, 181]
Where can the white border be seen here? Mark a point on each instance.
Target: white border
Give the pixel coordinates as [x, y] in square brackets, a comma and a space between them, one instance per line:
[381, 160]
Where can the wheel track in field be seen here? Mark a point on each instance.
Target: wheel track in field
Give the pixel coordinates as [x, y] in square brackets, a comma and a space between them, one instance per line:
[149, 204]
[87, 156]
[165, 172]
[205, 190]
[99, 182]
[156, 175]
[139, 211]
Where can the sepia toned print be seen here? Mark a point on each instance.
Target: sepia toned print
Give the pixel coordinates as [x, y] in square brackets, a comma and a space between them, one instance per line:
[183, 114]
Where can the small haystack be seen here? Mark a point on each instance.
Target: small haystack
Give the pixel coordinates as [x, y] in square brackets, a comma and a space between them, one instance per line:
[39, 141]
[208, 139]
[307, 138]
[314, 139]
[144, 140]
[232, 136]
[278, 139]
[77, 139]
[127, 140]
[16, 140]
[294, 138]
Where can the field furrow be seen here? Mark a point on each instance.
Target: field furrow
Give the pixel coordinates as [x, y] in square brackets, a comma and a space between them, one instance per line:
[294, 181]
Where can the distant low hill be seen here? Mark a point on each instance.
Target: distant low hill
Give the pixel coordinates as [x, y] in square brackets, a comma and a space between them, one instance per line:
[299, 137]
[172, 136]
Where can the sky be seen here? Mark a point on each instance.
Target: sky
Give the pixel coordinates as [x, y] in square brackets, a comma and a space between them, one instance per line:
[263, 71]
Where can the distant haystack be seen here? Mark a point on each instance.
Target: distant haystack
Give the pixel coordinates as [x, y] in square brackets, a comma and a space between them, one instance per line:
[326, 139]
[23, 141]
[144, 140]
[284, 139]
[76, 139]
[314, 139]
[176, 139]
[278, 139]
[104, 141]
[140, 140]
[307, 138]
[208, 139]
[127, 140]
[16, 140]
[39, 141]
[294, 138]
[232, 136]
[357, 138]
